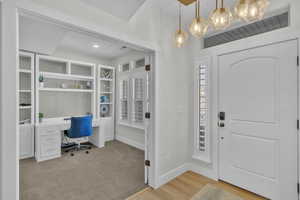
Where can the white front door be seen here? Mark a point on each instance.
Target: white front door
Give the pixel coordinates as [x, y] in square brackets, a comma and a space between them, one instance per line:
[258, 143]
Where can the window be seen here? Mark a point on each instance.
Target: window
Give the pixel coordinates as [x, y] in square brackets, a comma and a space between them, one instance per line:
[138, 100]
[133, 94]
[125, 67]
[202, 126]
[140, 63]
[124, 89]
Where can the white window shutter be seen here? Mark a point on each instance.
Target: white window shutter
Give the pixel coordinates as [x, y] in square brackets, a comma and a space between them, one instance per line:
[124, 89]
[202, 136]
[138, 100]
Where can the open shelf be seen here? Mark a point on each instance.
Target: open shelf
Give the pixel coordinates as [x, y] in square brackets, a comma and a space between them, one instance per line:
[25, 71]
[106, 79]
[25, 91]
[26, 87]
[53, 75]
[25, 107]
[65, 90]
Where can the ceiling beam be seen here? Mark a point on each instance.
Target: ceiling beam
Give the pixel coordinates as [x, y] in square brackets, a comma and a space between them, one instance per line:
[186, 2]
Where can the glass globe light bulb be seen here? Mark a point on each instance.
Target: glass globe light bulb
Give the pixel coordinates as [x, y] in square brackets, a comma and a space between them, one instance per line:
[198, 27]
[180, 38]
[250, 10]
[221, 18]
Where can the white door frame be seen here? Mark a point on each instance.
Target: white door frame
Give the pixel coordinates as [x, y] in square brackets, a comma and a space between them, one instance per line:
[9, 152]
[247, 43]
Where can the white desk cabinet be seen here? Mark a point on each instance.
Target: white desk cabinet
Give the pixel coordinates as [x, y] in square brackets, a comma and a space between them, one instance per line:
[26, 141]
[48, 136]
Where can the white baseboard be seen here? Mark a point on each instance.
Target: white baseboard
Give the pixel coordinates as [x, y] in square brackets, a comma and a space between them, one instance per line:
[130, 142]
[202, 171]
[165, 178]
[170, 175]
[109, 138]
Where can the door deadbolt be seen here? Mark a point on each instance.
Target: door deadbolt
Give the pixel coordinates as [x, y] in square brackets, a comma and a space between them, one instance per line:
[221, 115]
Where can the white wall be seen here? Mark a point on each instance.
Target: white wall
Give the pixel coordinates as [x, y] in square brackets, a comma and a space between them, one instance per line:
[150, 27]
[129, 135]
[9, 148]
[78, 56]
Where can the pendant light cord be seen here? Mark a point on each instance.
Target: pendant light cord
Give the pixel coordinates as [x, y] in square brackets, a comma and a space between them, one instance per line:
[198, 10]
[216, 4]
[179, 16]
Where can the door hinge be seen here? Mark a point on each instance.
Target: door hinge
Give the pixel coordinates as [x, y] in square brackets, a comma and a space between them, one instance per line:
[298, 124]
[298, 61]
[147, 115]
[147, 68]
[147, 163]
[298, 188]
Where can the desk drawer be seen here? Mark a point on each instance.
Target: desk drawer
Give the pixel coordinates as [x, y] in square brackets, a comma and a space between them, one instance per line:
[47, 130]
[50, 144]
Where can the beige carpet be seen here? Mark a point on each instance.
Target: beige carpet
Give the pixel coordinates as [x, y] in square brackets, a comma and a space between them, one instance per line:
[210, 192]
[111, 173]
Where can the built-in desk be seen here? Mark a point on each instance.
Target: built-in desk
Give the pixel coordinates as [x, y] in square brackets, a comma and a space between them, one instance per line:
[48, 138]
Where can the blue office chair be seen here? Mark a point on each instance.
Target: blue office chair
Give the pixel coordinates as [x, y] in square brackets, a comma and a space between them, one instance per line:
[80, 127]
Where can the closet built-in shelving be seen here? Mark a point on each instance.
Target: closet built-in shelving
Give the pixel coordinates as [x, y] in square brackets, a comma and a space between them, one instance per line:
[106, 100]
[60, 77]
[26, 104]
[26, 88]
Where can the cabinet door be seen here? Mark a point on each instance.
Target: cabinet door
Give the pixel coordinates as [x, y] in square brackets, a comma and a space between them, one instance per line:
[107, 128]
[26, 142]
[50, 144]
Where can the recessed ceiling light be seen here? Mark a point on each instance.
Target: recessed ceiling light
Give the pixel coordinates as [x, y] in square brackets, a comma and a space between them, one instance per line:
[96, 46]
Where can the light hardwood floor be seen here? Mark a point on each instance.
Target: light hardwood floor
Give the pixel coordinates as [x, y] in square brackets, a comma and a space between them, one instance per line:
[187, 185]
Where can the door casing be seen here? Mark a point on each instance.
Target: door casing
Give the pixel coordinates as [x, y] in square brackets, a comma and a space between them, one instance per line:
[292, 64]
[280, 35]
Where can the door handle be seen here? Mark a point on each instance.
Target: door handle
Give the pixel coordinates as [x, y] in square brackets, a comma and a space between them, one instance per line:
[221, 124]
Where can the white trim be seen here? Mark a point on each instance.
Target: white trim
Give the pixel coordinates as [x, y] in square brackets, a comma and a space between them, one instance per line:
[247, 43]
[131, 125]
[170, 175]
[204, 172]
[130, 142]
[109, 138]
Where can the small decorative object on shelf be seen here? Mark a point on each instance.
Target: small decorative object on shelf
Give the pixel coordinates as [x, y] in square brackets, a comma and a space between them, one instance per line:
[106, 74]
[104, 110]
[63, 85]
[88, 85]
[26, 121]
[104, 99]
[41, 116]
[41, 80]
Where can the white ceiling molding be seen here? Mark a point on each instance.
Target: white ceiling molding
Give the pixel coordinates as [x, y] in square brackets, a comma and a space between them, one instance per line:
[123, 9]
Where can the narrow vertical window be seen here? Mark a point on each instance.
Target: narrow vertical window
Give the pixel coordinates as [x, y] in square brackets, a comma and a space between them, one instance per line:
[138, 100]
[124, 85]
[202, 115]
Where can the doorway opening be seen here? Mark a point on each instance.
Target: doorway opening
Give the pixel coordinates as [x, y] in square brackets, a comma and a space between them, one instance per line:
[67, 72]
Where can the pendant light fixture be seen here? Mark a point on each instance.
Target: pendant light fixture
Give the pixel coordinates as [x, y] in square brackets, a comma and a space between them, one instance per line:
[250, 10]
[180, 36]
[221, 17]
[199, 25]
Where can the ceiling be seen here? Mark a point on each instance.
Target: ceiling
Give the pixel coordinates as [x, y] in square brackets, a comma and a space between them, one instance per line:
[123, 9]
[47, 38]
[188, 12]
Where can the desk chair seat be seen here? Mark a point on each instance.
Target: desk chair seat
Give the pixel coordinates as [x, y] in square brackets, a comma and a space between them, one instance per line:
[80, 127]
